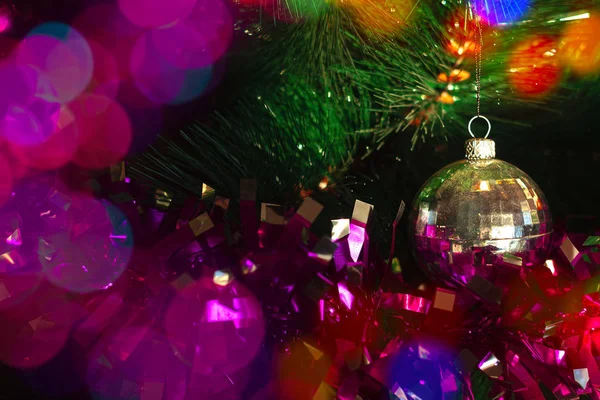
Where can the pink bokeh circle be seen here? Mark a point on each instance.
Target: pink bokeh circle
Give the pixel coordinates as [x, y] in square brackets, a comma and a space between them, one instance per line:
[57, 150]
[105, 23]
[212, 20]
[219, 329]
[95, 248]
[62, 55]
[104, 131]
[29, 107]
[155, 13]
[106, 78]
[158, 77]
[36, 330]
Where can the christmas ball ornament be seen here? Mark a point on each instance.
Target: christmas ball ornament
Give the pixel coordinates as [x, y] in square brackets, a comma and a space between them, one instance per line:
[480, 217]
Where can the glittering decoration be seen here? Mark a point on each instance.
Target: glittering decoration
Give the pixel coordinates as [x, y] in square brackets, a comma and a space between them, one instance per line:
[473, 216]
[278, 312]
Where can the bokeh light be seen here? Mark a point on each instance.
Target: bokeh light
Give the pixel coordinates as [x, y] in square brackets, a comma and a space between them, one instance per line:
[95, 249]
[155, 13]
[105, 24]
[462, 33]
[218, 330]
[35, 331]
[381, 16]
[106, 78]
[182, 46]
[418, 371]
[62, 55]
[131, 361]
[212, 20]
[28, 105]
[15, 288]
[157, 77]
[57, 150]
[16, 283]
[104, 131]
[501, 12]
[534, 68]
[580, 45]
[5, 19]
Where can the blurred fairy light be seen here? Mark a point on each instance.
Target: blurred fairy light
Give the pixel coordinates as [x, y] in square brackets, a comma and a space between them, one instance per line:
[575, 17]
[501, 12]
[4, 20]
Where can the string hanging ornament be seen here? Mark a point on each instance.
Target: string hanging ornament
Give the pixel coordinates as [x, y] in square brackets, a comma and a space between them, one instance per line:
[480, 216]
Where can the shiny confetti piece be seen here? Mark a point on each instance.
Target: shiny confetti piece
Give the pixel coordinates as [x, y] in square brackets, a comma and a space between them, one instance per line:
[324, 250]
[201, 224]
[45, 250]
[309, 210]
[568, 249]
[4, 293]
[444, 299]
[60, 199]
[316, 353]
[15, 238]
[592, 241]
[340, 229]
[223, 277]
[581, 376]
[272, 214]
[491, 366]
[466, 361]
[360, 218]
[346, 297]
[11, 261]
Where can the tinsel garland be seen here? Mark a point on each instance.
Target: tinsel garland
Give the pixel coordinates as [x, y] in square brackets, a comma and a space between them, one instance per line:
[207, 307]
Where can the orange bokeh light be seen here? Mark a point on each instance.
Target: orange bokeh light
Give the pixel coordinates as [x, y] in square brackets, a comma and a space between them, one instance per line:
[534, 68]
[457, 75]
[461, 30]
[580, 45]
[380, 16]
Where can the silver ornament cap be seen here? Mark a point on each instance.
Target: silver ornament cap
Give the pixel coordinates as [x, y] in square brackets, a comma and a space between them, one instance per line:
[477, 149]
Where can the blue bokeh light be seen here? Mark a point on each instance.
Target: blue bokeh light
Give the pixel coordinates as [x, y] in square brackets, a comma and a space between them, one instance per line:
[501, 12]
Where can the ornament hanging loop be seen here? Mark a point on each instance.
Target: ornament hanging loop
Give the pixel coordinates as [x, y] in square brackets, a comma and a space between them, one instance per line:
[486, 120]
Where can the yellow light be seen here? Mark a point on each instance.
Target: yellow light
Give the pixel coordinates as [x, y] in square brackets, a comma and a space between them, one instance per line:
[484, 186]
[8, 258]
[575, 17]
